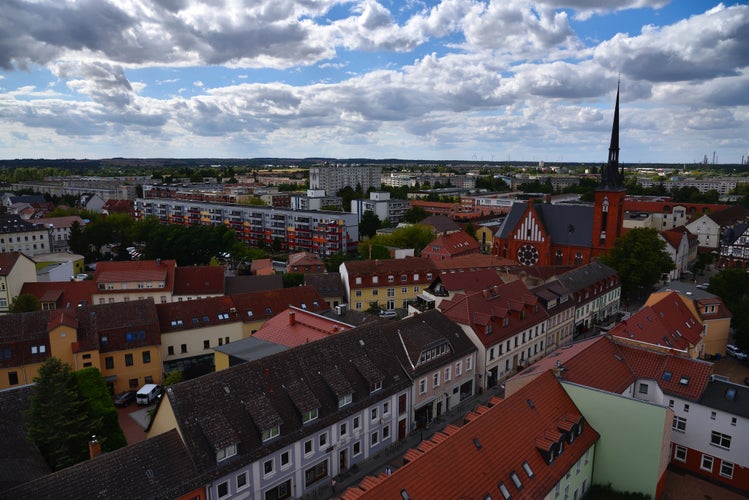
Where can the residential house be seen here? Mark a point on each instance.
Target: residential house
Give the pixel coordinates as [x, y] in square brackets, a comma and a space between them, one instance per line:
[596, 291]
[633, 397]
[440, 359]
[15, 270]
[710, 227]
[198, 282]
[262, 267]
[154, 468]
[296, 326]
[446, 286]
[190, 330]
[286, 424]
[534, 444]
[390, 284]
[666, 324]
[475, 262]
[485, 237]
[114, 206]
[255, 308]
[734, 246]
[61, 294]
[329, 286]
[18, 235]
[120, 281]
[60, 228]
[305, 262]
[681, 246]
[506, 323]
[441, 224]
[559, 306]
[450, 245]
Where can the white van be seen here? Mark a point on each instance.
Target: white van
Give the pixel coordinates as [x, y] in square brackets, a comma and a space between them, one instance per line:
[148, 394]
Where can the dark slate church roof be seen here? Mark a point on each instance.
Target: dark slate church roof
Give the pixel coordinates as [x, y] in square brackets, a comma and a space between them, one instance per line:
[566, 224]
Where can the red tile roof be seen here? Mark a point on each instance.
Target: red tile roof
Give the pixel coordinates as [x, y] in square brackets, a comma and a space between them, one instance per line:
[510, 300]
[470, 281]
[261, 306]
[199, 280]
[296, 326]
[384, 266]
[262, 267]
[189, 314]
[136, 270]
[451, 245]
[478, 261]
[473, 460]
[62, 293]
[304, 259]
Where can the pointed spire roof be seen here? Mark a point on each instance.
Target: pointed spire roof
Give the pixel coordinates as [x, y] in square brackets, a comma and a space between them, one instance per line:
[612, 177]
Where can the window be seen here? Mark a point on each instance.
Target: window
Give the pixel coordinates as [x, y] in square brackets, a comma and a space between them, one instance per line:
[146, 357]
[323, 439]
[385, 408]
[315, 473]
[206, 344]
[706, 463]
[227, 452]
[385, 432]
[308, 416]
[436, 380]
[357, 448]
[109, 363]
[271, 433]
[680, 453]
[458, 368]
[133, 383]
[241, 480]
[686, 408]
[308, 447]
[13, 378]
[733, 420]
[170, 350]
[505, 492]
[712, 415]
[447, 374]
[423, 386]
[128, 360]
[516, 480]
[726, 469]
[721, 440]
[344, 400]
[268, 467]
[357, 423]
[469, 365]
[342, 429]
[285, 461]
[374, 413]
[643, 388]
[223, 489]
[374, 438]
[183, 348]
[679, 424]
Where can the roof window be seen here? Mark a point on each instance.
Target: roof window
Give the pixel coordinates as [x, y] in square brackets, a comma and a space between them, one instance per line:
[527, 469]
[516, 480]
[684, 380]
[667, 376]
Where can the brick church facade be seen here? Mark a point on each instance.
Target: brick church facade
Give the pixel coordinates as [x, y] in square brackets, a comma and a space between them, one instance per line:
[568, 235]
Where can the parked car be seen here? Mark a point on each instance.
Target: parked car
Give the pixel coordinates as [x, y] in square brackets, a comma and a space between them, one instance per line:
[734, 351]
[391, 314]
[124, 398]
[148, 394]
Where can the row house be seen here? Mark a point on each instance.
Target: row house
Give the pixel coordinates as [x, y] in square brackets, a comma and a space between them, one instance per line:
[15, 270]
[285, 425]
[321, 232]
[596, 291]
[390, 283]
[534, 444]
[506, 323]
[632, 397]
[122, 340]
[19, 235]
[559, 306]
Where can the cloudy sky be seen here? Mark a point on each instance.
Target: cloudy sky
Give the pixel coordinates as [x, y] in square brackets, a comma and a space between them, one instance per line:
[415, 79]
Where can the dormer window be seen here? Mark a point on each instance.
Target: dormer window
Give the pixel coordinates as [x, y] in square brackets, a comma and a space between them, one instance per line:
[376, 386]
[375, 279]
[271, 433]
[309, 416]
[391, 279]
[488, 329]
[345, 400]
[224, 453]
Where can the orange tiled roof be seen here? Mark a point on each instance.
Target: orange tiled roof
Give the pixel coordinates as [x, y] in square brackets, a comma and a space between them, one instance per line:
[473, 460]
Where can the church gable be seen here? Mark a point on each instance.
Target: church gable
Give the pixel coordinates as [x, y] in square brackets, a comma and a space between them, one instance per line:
[530, 228]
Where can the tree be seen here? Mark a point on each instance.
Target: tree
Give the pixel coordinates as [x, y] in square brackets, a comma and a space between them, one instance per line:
[369, 224]
[171, 378]
[414, 215]
[641, 259]
[25, 303]
[58, 420]
[94, 391]
[291, 280]
[470, 230]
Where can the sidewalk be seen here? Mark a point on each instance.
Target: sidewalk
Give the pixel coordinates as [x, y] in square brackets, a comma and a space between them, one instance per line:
[392, 456]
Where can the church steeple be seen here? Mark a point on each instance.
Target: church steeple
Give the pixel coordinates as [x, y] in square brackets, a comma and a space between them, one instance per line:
[612, 177]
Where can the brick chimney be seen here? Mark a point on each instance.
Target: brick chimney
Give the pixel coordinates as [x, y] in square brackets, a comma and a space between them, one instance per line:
[94, 447]
[292, 318]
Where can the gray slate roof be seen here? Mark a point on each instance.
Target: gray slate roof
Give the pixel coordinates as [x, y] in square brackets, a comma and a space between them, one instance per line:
[155, 468]
[727, 397]
[566, 224]
[585, 276]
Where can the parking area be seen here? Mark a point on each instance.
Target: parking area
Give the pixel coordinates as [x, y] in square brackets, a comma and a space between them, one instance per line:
[133, 420]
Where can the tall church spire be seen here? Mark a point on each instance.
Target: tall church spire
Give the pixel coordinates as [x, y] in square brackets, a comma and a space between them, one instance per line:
[611, 176]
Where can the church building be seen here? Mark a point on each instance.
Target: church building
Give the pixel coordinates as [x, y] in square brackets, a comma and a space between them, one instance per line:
[568, 235]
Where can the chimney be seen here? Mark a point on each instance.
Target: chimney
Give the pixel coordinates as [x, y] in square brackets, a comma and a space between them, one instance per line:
[292, 318]
[94, 447]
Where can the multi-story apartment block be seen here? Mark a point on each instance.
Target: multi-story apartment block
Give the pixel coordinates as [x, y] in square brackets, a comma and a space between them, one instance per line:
[508, 325]
[18, 235]
[382, 206]
[324, 233]
[723, 185]
[15, 270]
[106, 188]
[59, 228]
[315, 199]
[390, 284]
[333, 178]
[285, 425]
[596, 291]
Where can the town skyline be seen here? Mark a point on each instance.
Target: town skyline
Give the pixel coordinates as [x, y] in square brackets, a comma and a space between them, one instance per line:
[453, 80]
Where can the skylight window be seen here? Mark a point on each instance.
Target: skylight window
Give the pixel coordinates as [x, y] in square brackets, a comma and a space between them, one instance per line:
[527, 469]
[516, 480]
[684, 380]
[505, 492]
[667, 376]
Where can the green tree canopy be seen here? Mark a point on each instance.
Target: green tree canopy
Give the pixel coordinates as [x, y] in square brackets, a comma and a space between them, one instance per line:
[732, 285]
[641, 259]
[58, 419]
[94, 391]
[414, 215]
[416, 236]
[25, 303]
[369, 224]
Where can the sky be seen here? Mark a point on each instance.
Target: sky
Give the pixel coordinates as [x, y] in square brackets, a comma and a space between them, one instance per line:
[471, 80]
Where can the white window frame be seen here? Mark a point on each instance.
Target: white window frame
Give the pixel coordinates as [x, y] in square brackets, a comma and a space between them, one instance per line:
[729, 466]
[680, 453]
[705, 459]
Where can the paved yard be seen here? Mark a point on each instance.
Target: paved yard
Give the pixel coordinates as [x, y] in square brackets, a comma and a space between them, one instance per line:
[732, 368]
